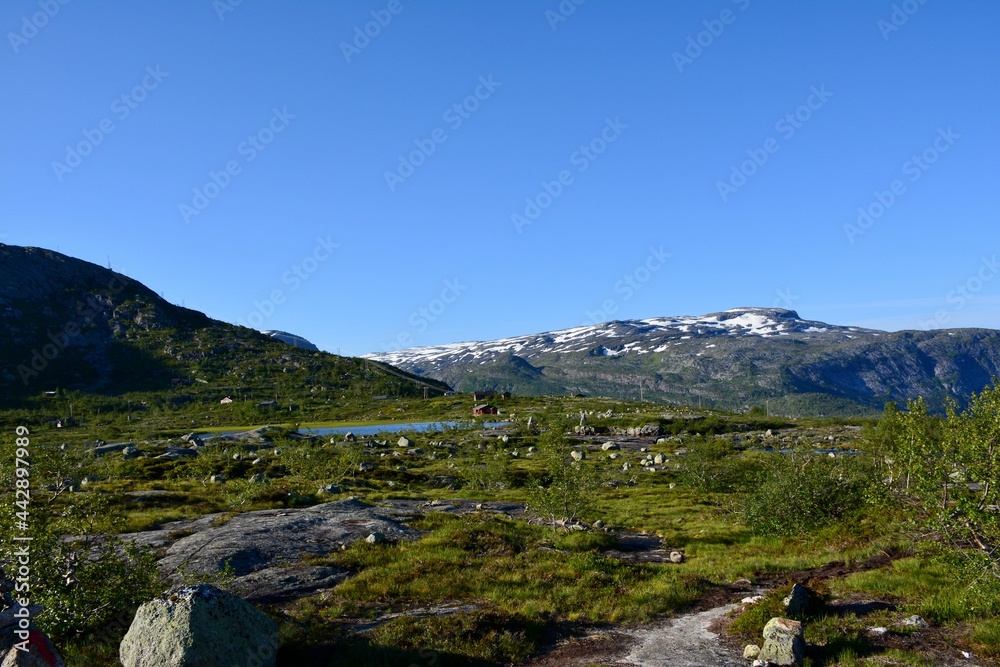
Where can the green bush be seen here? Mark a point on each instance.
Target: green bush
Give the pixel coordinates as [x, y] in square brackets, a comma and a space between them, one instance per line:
[801, 492]
[567, 488]
[716, 466]
[87, 584]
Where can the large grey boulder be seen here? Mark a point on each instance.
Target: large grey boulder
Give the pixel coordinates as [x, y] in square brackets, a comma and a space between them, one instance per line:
[783, 643]
[199, 626]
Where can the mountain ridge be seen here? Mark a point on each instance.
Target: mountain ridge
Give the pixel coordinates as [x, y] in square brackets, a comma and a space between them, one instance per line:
[73, 325]
[735, 358]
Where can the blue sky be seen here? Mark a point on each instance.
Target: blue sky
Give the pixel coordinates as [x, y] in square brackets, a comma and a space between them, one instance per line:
[474, 170]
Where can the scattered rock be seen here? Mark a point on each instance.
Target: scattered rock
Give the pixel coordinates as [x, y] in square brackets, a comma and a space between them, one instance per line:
[608, 446]
[915, 622]
[598, 524]
[130, 452]
[199, 625]
[783, 643]
[178, 453]
[797, 603]
[349, 437]
[751, 652]
[753, 599]
[258, 478]
[878, 631]
[676, 557]
[108, 448]
[659, 459]
[404, 442]
[578, 455]
[217, 479]
[329, 489]
[375, 538]
[193, 439]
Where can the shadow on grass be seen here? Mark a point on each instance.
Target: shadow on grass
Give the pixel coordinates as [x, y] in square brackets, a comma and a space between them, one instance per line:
[359, 652]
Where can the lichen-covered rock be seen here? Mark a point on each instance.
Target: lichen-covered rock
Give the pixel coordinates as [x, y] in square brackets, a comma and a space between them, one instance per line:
[199, 626]
[783, 643]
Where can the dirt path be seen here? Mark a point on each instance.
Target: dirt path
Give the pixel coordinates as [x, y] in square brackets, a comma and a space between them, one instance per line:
[685, 641]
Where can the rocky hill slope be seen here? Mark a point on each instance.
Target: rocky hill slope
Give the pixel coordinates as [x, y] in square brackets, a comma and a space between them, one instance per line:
[734, 359]
[67, 324]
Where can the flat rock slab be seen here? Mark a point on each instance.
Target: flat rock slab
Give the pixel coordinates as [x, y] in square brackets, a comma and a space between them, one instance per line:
[257, 544]
[282, 584]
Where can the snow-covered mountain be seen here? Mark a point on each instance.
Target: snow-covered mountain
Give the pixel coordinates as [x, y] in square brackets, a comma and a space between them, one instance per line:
[732, 359]
[622, 337]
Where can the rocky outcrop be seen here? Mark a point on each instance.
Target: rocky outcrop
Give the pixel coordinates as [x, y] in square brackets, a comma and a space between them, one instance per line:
[199, 626]
[257, 546]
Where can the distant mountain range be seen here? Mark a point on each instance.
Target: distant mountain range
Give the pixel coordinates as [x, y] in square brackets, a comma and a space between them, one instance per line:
[73, 325]
[735, 360]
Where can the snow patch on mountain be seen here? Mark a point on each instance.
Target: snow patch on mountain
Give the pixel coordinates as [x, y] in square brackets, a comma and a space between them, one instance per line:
[647, 336]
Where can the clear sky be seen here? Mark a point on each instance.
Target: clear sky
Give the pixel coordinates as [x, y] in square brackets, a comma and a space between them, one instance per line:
[471, 170]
